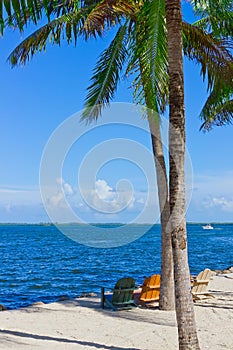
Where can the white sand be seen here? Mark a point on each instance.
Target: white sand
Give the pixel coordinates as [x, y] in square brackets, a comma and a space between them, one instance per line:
[82, 324]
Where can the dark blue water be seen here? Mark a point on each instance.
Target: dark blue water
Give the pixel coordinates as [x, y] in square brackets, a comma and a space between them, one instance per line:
[40, 263]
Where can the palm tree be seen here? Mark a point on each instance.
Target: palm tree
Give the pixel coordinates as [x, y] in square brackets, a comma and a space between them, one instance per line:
[151, 91]
[152, 85]
[197, 46]
[90, 22]
[87, 21]
[184, 304]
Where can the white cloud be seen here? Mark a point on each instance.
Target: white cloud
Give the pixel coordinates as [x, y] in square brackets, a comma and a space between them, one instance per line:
[68, 189]
[125, 203]
[103, 203]
[58, 199]
[107, 200]
[104, 191]
[212, 197]
[223, 203]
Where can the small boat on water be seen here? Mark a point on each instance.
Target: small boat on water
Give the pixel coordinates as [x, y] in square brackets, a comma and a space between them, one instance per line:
[207, 227]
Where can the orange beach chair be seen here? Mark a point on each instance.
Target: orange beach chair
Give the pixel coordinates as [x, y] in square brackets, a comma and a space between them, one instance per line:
[150, 289]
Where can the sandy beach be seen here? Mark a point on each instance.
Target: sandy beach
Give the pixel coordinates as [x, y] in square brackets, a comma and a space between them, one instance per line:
[81, 324]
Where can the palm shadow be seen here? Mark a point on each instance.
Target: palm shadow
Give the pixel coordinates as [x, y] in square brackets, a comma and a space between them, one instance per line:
[63, 340]
[138, 314]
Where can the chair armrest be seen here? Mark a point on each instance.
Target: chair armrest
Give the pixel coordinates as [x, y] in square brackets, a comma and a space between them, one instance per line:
[102, 296]
[202, 281]
[124, 289]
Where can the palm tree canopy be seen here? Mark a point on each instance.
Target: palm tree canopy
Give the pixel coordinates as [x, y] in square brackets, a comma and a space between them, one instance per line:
[138, 21]
[212, 54]
[216, 17]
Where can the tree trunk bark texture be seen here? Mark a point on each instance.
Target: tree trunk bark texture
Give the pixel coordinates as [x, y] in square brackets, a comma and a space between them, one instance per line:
[167, 301]
[183, 297]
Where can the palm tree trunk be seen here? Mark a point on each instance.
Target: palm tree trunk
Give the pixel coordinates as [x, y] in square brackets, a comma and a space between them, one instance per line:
[166, 301]
[183, 298]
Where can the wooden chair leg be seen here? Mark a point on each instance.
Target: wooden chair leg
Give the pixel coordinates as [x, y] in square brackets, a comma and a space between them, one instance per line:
[102, 297]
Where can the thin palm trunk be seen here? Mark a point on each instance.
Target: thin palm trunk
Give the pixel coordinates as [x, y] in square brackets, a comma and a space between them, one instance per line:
[166, 301]
[183, 298]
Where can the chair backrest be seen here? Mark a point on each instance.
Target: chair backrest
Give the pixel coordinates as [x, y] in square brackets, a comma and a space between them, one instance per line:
[123, 291]
[151, 289]
[201, 283]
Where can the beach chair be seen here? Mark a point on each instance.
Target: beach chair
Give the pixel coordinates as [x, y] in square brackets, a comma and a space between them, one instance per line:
[200, 284]
[150, 289]
[122, 296]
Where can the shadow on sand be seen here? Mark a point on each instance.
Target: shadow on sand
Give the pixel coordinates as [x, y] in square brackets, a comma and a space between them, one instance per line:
[63, 340]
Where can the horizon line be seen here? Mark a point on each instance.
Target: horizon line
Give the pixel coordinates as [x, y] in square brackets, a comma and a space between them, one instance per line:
[105, 223]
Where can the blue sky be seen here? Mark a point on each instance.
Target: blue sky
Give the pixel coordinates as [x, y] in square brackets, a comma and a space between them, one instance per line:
[38, 97]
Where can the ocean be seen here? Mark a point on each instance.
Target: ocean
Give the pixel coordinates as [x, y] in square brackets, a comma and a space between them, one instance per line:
[39, 263]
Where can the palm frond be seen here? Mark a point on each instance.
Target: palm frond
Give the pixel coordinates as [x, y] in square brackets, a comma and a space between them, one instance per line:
[217, 19]
[106, 14]
[216, 16]
[149, 58]
[65, 27]
[218, 109]
[17, 12]
[202, 23]
[106, 76]
[212, 54]
[26, 14]
[217, 8]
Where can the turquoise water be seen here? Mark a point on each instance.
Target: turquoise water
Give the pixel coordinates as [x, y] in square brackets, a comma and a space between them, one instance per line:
[40, 263]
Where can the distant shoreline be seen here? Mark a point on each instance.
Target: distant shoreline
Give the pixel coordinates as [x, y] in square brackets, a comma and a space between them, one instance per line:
[101, 223]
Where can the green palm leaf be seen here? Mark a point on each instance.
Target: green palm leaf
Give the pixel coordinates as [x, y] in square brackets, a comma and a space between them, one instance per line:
[216, 16]
[149, 61]
[87, 21]
[106, 14]
[21, 12]
[212, 54]
[67, 25]
[106, 75]
[218, 109]
[18, 11]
